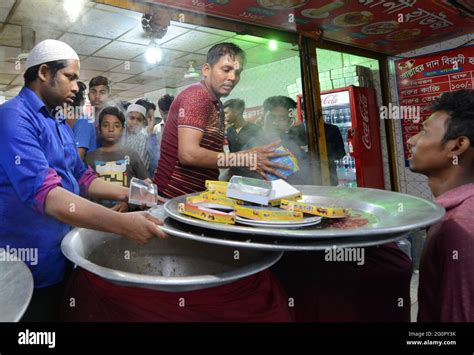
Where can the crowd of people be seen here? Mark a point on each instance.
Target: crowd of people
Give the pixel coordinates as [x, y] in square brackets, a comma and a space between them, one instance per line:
[95, 152]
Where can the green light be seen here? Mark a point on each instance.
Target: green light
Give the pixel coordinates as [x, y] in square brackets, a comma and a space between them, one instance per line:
[273, 45]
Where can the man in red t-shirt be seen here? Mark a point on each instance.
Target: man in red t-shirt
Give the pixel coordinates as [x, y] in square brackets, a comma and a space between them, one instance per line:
[193, 136]
[444, 152]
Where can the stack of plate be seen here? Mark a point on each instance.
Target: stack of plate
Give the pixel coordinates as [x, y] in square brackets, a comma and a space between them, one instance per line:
[306, 222]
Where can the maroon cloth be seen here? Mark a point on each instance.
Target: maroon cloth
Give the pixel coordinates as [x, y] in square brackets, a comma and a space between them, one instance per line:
[198, 108]
[86, 180]
[257, 298]
[51, 181]
[446, 289]
[327, 291]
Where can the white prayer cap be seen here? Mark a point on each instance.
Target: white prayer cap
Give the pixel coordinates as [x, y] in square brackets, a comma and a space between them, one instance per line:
[136, 108]
[50, 50]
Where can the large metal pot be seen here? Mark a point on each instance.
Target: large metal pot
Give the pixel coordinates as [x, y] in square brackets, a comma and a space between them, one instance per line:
[172, 264]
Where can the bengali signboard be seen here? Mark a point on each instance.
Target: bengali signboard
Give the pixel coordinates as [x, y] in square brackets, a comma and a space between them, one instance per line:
[387, 26]
[421, 79]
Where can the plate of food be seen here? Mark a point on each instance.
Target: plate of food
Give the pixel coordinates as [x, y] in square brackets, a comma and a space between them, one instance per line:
[403, 35]
[282, 4]
[273, 217]
[271, 224]
[379, 28]
[323, 11]
[352, 19]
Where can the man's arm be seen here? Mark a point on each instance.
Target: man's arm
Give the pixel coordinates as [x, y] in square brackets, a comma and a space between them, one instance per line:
[82, 152]
[190, 153]
[84, 134]
[104, 190]
[153, 152]
[137, 165]
[77, 211]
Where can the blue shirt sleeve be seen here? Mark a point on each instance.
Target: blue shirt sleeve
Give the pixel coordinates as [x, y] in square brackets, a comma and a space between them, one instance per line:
[154, 153]
[79, 166]
[84, 134]
[21, 155]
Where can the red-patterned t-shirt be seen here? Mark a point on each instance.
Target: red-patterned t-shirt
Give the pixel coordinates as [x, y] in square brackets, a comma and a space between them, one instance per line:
[198, 108]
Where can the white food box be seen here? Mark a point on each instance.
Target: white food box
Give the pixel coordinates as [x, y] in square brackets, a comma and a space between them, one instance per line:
[259, 191]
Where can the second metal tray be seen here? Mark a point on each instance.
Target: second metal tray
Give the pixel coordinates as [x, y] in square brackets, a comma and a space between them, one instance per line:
[249, 241]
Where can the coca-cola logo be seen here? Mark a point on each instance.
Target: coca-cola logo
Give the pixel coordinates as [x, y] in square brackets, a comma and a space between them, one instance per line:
[364, 112]
[330, 100]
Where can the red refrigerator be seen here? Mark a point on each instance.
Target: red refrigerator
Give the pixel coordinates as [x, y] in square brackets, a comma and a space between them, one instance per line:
[354, 110]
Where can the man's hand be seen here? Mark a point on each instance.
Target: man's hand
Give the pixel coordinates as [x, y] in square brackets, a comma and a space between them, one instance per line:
[138, 226]
[121, 207]
[263, 155]
[141, 227]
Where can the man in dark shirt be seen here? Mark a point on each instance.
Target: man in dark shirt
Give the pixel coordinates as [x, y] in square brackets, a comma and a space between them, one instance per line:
[239, 131]
[164, 104]
[279, 116]
[334, 142]
[444, 152]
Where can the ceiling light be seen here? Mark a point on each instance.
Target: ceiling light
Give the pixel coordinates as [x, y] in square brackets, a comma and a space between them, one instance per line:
[153, 53]
[273, 45]
[73, 8]
[192, 72]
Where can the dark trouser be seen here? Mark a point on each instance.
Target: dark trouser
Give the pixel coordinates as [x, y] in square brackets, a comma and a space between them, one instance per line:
[44, 305]
[46, 301]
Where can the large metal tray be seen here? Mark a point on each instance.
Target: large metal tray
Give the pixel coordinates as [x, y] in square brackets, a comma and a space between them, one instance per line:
[16, 289]
[251, 241]
[172, 265]
[393, 213]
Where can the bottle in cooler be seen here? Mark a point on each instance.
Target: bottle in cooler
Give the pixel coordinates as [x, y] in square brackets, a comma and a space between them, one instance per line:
[347, 114]
[326, 116]
[342, 116]
[334, 117]
[339, 117]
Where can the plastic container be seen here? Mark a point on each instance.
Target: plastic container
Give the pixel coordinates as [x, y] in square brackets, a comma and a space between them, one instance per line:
[143, 193]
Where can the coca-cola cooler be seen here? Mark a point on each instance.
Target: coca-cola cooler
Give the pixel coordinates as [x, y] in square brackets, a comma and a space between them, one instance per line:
[354, 111]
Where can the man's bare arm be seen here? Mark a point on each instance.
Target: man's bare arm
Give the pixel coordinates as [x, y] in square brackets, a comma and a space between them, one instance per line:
[77, 211]
[192, 154]
[104, 190]
[82, 152]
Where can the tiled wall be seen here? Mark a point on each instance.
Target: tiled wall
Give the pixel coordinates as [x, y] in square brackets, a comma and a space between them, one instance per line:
[258, 83]
[410, 183]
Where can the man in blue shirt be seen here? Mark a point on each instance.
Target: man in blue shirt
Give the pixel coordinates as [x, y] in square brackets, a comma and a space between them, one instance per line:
[81, 125]
[41, 177]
